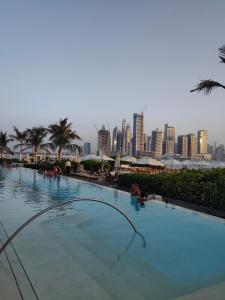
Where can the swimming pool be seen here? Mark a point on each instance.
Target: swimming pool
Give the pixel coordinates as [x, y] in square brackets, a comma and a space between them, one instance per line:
[89, 251]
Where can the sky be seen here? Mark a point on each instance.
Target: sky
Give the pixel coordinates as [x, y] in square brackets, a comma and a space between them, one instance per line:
[99, 61]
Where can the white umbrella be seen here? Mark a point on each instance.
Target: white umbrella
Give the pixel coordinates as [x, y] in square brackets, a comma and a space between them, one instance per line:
[103, 157]
[149, 161]
[172, 163]
[88, 157]
[130, 159]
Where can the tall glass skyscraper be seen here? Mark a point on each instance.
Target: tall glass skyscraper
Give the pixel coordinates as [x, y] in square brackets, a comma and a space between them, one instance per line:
[138, 134]
[202, 141]
[169, 140]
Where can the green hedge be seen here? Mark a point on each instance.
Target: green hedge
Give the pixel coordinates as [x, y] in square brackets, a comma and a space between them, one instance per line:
[49, 166]
[196, 186]
[9, 160]
[95, 165]
[40, 166]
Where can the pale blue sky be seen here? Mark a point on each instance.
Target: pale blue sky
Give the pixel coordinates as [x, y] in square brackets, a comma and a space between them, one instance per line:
[100, 61]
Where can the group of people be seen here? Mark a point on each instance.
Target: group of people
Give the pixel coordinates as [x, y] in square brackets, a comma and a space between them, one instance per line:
[56, 170]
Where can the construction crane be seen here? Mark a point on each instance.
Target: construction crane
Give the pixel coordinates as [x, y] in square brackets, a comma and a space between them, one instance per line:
[143, 110]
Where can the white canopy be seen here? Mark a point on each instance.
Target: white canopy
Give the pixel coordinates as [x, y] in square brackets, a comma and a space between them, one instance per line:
[88, 157]
[172, 163]
[95, 157]
[103, 157]
[149, 161]
[129, 159]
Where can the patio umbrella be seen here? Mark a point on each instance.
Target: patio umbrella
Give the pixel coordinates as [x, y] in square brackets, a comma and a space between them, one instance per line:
[130, 159]
[88, 157]
[103, 157]
[148, 161]
[172, 163]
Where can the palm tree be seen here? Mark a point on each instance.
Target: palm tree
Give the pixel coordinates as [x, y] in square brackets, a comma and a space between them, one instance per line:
[4, 141]
[206, 86]
[36, 137]
[22, 138]
[62, 136]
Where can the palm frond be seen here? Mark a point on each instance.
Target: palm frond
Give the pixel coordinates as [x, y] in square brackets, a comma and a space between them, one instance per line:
[73, 147]
[206, 86]
[222, 54]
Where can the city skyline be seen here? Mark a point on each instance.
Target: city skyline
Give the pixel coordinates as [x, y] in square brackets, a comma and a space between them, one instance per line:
[93, 64]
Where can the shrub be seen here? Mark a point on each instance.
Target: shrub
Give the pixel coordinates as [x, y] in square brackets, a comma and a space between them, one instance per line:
[196, 186]
[95, 165]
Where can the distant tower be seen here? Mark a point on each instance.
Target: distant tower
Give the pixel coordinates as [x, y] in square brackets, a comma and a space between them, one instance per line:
[156, 143]
[87, 148]
[114, 140]
[138, 134]
[202, 141]
[182, 147]
[147, 141]
[191, 145]
[169, 140]
[119, 145]
[103, 141]
[128, 140]
[123, 137]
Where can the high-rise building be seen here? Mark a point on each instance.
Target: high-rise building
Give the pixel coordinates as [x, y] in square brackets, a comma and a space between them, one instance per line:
[114, 140]
[87, 148]
[123, 137]
[119, 145]
[128, 140]
[169, 140]
[147, 143]
[219, 152]
[104, 141]
[182, 145]
[202, 141]
[156, 143]
[138, 134]
[191, 145]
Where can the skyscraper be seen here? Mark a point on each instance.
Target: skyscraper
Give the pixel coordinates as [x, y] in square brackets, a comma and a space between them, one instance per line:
[128, 140]
[191, 145]
[182, 147]
[202, 141]
[156, 143]
[147, 145]
[119, 146]
[103, 141]
[169, 140]
[138, 134]
[87, 148]
[114, 140]
[123, 137]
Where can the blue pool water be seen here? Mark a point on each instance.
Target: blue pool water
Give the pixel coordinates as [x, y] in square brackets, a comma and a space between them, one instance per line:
[87, 250]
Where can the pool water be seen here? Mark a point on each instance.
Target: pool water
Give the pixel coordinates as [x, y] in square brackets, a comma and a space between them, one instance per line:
[87, 250]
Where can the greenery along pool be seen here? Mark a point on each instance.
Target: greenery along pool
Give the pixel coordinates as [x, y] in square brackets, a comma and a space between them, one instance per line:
[89, 251]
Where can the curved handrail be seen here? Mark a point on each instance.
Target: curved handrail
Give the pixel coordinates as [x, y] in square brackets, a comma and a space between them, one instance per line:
[77, 199]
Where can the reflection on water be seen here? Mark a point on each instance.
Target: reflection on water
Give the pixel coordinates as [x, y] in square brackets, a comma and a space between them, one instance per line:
[136, 203]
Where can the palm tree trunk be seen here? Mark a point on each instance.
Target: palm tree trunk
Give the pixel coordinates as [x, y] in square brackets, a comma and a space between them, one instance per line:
[21, 149]
[59, 154]
[35, 154]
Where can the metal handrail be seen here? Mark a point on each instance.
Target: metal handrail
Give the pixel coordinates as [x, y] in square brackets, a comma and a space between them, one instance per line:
[77, 199]
[22, 266]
